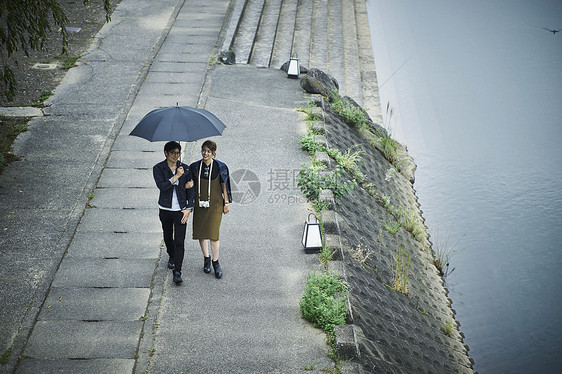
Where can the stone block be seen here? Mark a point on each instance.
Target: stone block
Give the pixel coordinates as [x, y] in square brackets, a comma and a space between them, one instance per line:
[323, 158]
[115, 245]
[329, 222]
[327, 197]
[318, 127]
[332, 242]
[351, 367]
[317, 113]
[121, 220]
[337, 268]
[346, 343]
[321, 139]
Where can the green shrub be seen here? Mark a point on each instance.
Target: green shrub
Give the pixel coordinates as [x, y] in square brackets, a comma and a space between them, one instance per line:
[308, 144]
[324, 301]
[311, 182]
[349, 113]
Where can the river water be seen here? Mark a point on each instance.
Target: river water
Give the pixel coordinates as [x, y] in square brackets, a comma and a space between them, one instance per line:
[475, 89]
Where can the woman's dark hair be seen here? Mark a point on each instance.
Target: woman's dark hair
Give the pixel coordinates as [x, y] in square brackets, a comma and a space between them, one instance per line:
[170, 146]
[211, 145]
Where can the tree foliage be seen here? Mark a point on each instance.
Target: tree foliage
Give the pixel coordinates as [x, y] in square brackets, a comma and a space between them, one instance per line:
[24, 25]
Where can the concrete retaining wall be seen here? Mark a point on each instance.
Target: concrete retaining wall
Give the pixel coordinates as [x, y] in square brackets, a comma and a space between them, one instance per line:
[388, 331]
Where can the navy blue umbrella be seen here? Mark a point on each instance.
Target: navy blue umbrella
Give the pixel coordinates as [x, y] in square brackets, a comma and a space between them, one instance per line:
[178, 123]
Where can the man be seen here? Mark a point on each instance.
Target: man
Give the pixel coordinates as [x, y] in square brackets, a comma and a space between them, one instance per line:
[175, 202]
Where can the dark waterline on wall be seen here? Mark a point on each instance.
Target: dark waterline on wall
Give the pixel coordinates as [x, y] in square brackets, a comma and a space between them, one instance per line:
[475, 89]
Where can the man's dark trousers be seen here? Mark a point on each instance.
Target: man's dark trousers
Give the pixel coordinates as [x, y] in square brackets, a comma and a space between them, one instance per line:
[174, 235]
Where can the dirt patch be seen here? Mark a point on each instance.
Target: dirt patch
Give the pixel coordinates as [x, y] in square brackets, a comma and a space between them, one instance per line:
[34, 86]
[34, 83]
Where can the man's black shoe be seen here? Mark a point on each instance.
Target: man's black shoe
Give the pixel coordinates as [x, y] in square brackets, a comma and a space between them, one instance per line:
[171, 264]
[177, 277]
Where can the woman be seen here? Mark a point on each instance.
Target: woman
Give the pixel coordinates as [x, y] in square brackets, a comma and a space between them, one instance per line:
[175, 204]
[212, 195]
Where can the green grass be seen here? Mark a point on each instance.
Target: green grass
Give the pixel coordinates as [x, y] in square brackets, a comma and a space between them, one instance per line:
[326, 254]
[40, 103]
[402, 269]
[392, 227]
[442, 249]
[324, 301]
[69, 61]
[349, 113]
[308, 110]
[408, 219]
[349, 161]
[311, 182]
[309, 144]
[448, 329]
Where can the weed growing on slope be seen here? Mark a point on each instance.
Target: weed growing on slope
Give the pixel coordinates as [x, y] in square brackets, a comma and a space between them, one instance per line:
[448, 328]
[392, 227]
[402, 269]
[308, 109]
[442, 249]
[349, 161]
[309, 144]
[312, 180]
[324, 301]
[349, 113]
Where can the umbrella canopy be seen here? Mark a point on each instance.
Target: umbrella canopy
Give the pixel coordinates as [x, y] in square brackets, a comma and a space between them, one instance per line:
[178, 123]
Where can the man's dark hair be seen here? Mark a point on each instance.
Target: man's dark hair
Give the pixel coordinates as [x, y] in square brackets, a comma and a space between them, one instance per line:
[170, 146]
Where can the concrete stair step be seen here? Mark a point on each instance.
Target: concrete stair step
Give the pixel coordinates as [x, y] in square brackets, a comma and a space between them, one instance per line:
[335, 65]
[303, 32]
[245, 35]
[371, 99]
[352, 75]
[318, 40]
[233, 24]
[331, 35]
[284, 39]
[266, 34]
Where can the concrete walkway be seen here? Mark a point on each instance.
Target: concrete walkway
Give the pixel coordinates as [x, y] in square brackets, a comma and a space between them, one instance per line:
[84, 283]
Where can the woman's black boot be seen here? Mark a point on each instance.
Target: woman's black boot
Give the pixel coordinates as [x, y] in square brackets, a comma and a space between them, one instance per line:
[218, 271]
[207, 265]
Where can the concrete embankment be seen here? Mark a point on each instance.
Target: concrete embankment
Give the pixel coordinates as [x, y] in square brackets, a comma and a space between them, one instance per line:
[401, 320]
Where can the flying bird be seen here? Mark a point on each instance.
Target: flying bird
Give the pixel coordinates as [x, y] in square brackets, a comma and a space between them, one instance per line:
[551, 30]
